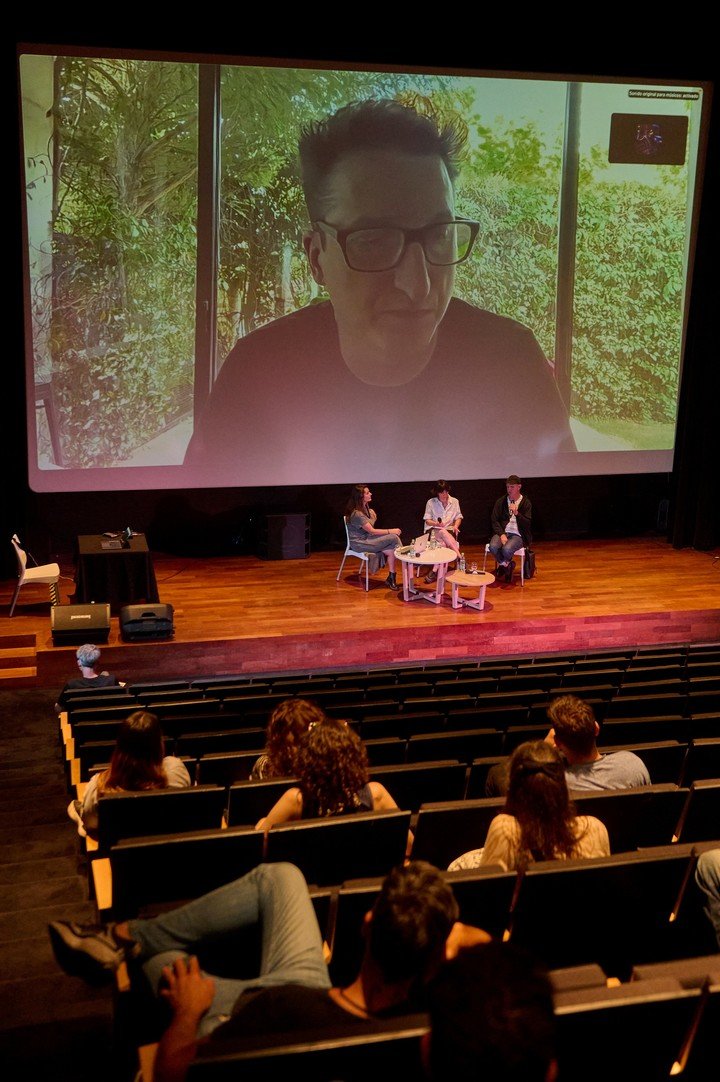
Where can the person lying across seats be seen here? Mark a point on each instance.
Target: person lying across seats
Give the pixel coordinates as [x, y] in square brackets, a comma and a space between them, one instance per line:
[288, 724]
[138, 763]
[409, 933]
[333, 778]
[539, 820]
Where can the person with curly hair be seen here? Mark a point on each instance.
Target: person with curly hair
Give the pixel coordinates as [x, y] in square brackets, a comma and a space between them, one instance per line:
[138, 763]
[288, 723]
[333, 776]
[539, 821]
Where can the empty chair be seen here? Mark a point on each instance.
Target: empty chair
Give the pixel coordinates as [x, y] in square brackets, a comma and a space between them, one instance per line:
[48, 574]
[699, 820]
[443, 831]
[249, 801]
[645, 816]
[160, 811]
[416, 783]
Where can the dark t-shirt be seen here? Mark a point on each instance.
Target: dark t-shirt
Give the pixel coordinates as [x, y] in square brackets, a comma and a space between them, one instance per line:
[284, 399]
[79, 682]
[291, 1008]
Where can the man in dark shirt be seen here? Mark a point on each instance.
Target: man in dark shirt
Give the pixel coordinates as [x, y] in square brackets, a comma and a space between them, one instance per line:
[362, 371]
[511, 524]
[409, 932]
[87, 657]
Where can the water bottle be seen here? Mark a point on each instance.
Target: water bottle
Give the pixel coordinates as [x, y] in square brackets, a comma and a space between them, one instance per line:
[461, 562]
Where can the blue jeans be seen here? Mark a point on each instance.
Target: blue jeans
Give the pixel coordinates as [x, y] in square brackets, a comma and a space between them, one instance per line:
[504, 553]
[272, 896]
[707, 877]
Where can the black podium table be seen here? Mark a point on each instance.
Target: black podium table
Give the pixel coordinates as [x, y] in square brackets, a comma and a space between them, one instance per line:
[120, 574]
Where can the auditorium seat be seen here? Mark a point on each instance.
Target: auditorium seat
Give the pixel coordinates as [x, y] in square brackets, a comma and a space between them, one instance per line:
[616, 910]
[479, 770]
[400, 725]
[460, 744]
[250, 801]
[251, 741]
[332, 850]
[150, 872]
[643, 730]
[699, 819]
[703, 760]
[444, 831]
[224, 768]
[645, 816]
[665, 759]
[158, 811]
[412, 784]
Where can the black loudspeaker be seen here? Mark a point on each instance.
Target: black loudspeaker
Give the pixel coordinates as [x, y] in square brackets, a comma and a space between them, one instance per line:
[139, 623]
[77, 624]
[284, 537]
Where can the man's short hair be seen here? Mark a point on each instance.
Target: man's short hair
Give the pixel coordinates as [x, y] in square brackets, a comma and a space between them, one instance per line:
[573, 722]
[491, 1016]
[411, 921]
[375, 124]
[88, 655]
[513, 479]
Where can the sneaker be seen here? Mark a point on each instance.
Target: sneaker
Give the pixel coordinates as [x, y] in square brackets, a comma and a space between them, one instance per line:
[431, 577]
[74, 810]
[85, 950]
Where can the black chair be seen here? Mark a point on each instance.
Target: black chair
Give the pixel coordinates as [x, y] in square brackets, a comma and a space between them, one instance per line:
[463, 745]
[148, 873]
[249, 801]
[391, 1050]
[400, 725]
[250, 741]
[225, 768]
[412, 784]
[645, 816]
[479, 770]
[699, 820]
[703, 760]
[385, 751]
[332, 850]
[484, 896]
[444, 831]
[622, 730]
[157, 811]
[617, 910]
[649, 705]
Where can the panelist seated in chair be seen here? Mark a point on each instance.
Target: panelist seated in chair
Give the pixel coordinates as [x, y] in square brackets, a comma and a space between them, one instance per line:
[410, 932]
[364, 535]
[442, 520]
[511, 525]
[138, 764]
[333, 778]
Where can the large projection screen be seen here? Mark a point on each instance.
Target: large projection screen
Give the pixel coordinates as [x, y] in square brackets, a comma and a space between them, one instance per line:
[188, 325]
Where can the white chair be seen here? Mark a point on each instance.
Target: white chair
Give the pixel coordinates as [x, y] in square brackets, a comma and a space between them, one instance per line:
[364, 557]
[519, 552]
[48, 573]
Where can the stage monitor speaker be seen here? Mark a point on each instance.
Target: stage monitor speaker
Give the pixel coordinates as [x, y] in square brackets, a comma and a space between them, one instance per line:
[139, 623]
[77, 624]
[285, 537]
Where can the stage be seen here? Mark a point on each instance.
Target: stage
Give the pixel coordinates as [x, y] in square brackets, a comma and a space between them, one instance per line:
[246, 615]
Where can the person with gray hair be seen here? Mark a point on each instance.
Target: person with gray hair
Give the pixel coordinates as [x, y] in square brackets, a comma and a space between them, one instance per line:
[87, 656]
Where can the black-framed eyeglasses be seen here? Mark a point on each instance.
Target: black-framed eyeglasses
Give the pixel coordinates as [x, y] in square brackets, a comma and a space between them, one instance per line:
[382, 247]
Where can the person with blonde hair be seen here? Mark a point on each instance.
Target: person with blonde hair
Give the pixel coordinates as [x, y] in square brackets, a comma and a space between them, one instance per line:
[539, 821]
[138, 763]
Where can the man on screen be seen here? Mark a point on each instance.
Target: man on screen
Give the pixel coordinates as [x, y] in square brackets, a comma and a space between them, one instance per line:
[392, 364]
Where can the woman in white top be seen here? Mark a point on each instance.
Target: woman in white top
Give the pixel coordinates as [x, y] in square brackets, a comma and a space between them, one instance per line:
[138, 763]
[539, 821]
[443, 516]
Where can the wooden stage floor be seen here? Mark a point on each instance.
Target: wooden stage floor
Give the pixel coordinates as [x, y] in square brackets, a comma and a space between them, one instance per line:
[245, 615]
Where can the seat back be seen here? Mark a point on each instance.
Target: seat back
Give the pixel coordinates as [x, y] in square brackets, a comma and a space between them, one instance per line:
[160, 811]
[151, 872]
[343, 847]
[444, 831]
[644, 816]
[21, 556]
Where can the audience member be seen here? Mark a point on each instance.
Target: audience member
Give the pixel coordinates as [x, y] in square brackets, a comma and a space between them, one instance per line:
[138, 763]
[574, 732]
[539, 820]
[364, 537]
[409, 932]
[491, 1017]
[288, 723]
[707, 877]
[87, 658]
[332, 770]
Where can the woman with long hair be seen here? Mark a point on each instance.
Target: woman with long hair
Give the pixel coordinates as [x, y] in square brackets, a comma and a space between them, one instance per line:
[288, 723]
[539, 821]
[363, 534]
[138, 763]
[333, 778]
